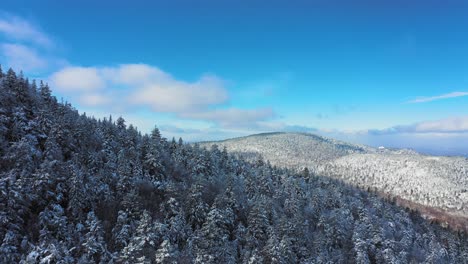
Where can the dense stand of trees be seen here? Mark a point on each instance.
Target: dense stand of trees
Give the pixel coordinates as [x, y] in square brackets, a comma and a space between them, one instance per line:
[440, 182]
[74, 189]
[437, 182]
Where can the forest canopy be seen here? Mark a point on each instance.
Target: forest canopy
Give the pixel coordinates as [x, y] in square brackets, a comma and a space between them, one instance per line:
[75, 189]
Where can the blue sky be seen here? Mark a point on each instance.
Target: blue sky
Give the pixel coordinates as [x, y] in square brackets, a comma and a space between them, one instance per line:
[388, 73]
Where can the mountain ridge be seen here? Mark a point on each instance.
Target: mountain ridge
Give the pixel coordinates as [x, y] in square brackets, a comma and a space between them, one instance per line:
[324, 138]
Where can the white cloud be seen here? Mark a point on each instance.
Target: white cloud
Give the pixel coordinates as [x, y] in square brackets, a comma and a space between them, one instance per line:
[78, 79]
[21, 57]
[142, 85]
[134, 74]
[438, 97]
[170, 95]
[94, 99]
[448, 125]
[18, 29]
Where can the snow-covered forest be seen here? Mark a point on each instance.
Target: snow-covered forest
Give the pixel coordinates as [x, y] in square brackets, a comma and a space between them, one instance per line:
[439, 182]
[74, 189]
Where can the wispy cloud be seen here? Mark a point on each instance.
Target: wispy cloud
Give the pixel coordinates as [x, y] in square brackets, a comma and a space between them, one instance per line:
[22, 57]
[16, 28]
[234, 117]
[438, 97]
[24, 46]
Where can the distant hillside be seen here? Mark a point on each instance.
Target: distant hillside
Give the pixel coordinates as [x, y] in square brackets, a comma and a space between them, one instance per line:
[440, 182]
[291, 149]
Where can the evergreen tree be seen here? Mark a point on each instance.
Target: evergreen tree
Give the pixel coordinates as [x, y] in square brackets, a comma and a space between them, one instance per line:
[94, 245]
[167, 253]
[45, 92]
[143, 245]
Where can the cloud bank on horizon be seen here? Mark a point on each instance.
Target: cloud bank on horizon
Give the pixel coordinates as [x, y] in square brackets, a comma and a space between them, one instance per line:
[207, 106]
[447, 125]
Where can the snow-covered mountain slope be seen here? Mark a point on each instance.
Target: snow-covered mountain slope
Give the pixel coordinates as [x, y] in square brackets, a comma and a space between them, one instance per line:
[440, 182]
[291, 149]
